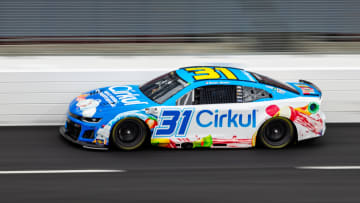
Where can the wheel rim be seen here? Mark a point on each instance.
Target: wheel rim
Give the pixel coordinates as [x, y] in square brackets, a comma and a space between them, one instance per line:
[276, 131]
[128, 134]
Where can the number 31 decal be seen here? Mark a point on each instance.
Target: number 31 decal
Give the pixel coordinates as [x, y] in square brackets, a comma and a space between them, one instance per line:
[173, 122]
[206, 73]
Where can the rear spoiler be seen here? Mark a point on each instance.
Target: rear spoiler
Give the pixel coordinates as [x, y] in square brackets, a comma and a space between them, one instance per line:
[312, 84]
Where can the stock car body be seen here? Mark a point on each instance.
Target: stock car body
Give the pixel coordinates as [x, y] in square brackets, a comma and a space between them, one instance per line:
[200, 106]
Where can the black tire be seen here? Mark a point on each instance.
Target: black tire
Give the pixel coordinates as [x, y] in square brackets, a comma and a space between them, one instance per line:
[277, 133]
[129, 134]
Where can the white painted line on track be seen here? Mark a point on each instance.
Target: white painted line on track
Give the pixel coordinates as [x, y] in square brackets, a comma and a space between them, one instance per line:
[329, 167]
[60, 171]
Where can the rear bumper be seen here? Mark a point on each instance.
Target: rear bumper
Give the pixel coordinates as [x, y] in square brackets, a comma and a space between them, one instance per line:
[62, 131]
[317, 129]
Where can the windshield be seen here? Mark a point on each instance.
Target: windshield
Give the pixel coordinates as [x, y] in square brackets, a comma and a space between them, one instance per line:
[162, 88]
[272, 82]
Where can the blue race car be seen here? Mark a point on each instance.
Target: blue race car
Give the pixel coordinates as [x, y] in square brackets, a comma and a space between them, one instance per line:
[201, 106]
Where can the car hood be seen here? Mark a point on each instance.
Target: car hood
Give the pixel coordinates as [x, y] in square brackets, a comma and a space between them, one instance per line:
[113, 100]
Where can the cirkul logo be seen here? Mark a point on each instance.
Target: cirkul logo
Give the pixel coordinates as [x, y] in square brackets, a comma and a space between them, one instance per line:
[126, 95]
[207, 118]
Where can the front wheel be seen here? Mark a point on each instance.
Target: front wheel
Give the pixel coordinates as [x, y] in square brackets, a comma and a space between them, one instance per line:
[129, 134]
[276, 133]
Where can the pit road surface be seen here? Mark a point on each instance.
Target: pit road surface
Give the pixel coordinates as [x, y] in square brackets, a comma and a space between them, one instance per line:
[163, 175]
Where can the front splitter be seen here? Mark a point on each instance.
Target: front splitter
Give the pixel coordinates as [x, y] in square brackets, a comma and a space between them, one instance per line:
[86, 145]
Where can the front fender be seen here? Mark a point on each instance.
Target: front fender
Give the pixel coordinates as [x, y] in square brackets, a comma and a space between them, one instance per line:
[105, 131]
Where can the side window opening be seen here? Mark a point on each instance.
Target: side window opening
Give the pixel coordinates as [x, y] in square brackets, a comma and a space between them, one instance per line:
[251, 94]
[187, 99]
[215, 94]
[220, 94]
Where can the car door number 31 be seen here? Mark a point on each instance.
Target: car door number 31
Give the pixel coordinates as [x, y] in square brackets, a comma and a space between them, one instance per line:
[173, 122]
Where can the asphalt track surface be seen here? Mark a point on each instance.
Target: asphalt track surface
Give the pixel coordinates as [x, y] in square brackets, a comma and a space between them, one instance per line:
[164, 175]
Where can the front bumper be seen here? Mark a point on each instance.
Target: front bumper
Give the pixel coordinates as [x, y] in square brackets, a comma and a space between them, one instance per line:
[87, 145]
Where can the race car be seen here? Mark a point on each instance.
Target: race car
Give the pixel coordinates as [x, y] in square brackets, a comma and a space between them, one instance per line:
[198, 106]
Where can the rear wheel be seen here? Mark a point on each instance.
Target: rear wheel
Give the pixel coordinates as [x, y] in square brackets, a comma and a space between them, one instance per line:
[277, 133]
[129, 134]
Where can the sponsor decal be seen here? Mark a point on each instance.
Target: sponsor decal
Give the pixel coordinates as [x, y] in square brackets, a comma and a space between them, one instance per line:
[217, 82]
[204, 142]
[175, 122]
[163, 142]
[275, 89]
[88, 106]
[279, 90]
[206, 118]
[109, 98]
[126, 95]
[306, 89]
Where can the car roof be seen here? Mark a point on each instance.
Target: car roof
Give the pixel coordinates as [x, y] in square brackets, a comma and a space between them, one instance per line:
[191, 74]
